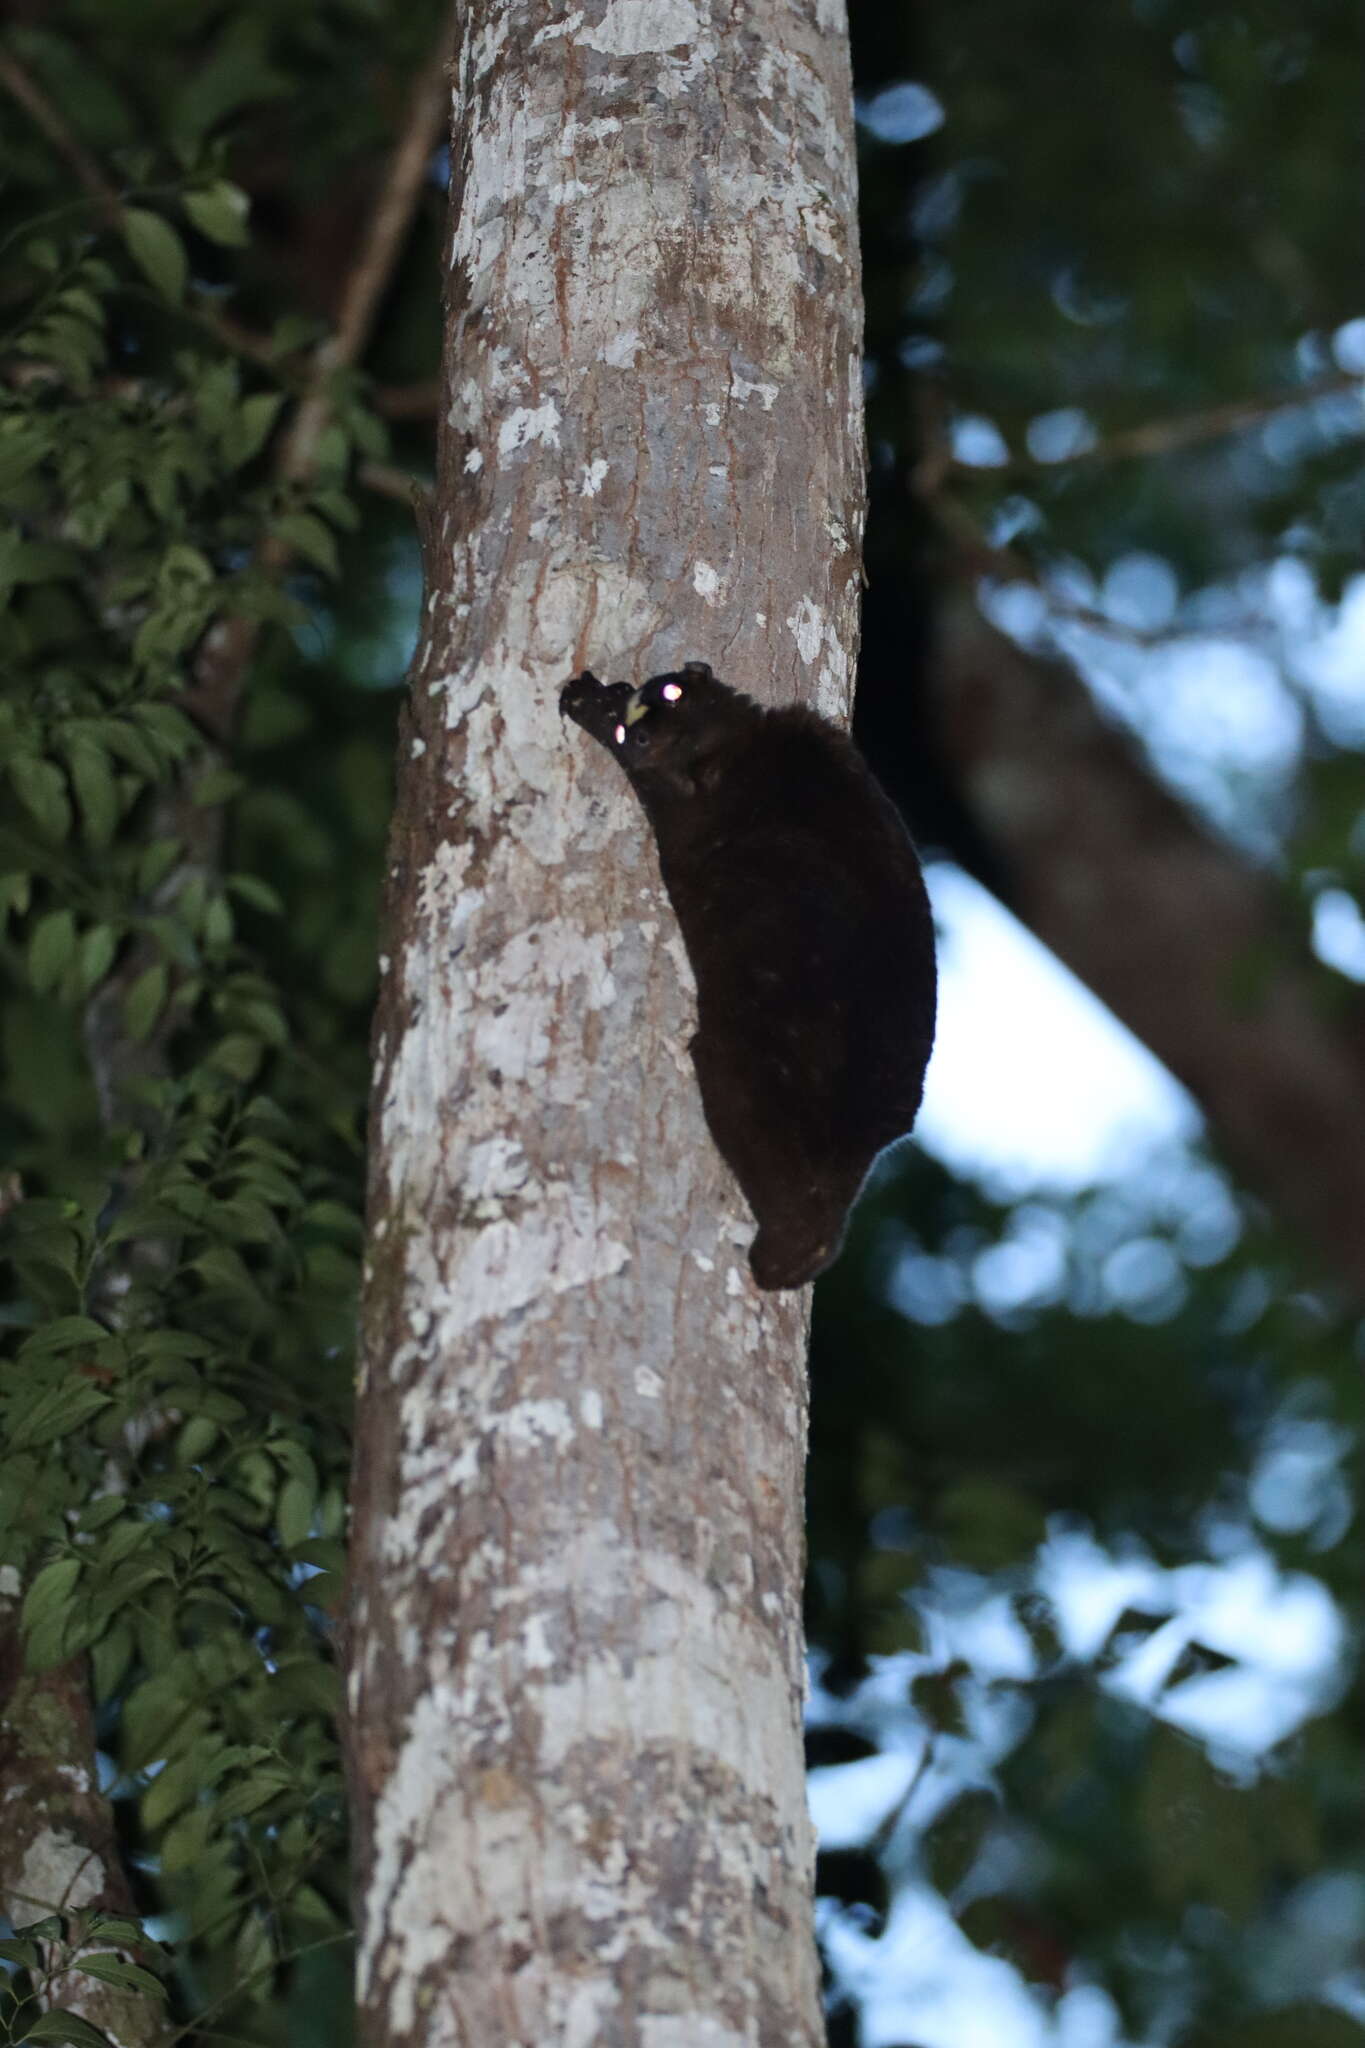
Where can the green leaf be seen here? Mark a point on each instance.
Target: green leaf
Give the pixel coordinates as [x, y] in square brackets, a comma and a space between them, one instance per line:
[238, 1054]
[51, 949]
[49, 1928]
[258, 894]
[169, 727]
[222, 1268]
[97, 951]
[123, 740]
[54, 1412]
[248, 433]
[41, 788]
[67, 2026]
[25, 1955]
[51, 1590]
[109, 1660]
[15, 891]
[21, 450]
[1292, 2026]
[294, 1512]
[325, 1552]
[64, 1333]
[220, 212]
[157, 862]
[336, 1219]
[112, 1969]
[311, 539]
[218, 926]
[113, 1927]
[185, 1841]
[172, 1790]
[96, 792]
[157, 250]
[952, 1845]
[143, 1002]
[217, 786]
[151, 1712]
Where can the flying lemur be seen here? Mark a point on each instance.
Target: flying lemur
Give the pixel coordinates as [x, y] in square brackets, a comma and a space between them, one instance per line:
[805, 917]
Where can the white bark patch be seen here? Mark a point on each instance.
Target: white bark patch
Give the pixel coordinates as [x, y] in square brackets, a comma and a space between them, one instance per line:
[508, 1266]
[529, 423]
[622, 350]
[61, 1871]
[473, 462]
[594, 475]
[589, 2007]
[705, 581]
[568, 27]
[807, 627]
[742, 390]
[632, 28]
[736, 1683]
[577, 133]
[688, 2030]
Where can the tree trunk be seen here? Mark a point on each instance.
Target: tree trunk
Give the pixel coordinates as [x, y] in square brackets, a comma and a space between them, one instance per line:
[575, 1652]
[58, 1852]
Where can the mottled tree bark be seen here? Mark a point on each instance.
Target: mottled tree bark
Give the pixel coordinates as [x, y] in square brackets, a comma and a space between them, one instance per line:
[58, 1853]
[575, 1648]
[1173, 930]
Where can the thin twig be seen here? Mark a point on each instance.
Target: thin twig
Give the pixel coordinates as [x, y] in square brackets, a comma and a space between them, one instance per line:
[408, 401]
[220, 2004]
[387, 481]
[40, 110]
[228, 647]
[377, 258]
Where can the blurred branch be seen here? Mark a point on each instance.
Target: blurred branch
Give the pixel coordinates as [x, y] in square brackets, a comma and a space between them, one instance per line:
[1182, 939]
[44, 116]
[409, 401]
[228, 648]
[975, 555]
[1186, 430]
[1163, 437]
[377, 257]
[389, 482]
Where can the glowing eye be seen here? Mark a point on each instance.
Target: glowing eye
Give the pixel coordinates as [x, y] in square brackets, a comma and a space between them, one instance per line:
[671, 692]
[620, 735]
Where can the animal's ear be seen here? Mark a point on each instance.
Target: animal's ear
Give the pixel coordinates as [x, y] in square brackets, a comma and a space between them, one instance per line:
[700, 671]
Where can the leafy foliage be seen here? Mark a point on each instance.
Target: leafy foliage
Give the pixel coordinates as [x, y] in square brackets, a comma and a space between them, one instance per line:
[996, 1414]
[1113, 325]
[187, 957]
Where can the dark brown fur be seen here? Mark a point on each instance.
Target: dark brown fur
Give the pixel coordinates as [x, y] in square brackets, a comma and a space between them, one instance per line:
[804, 915]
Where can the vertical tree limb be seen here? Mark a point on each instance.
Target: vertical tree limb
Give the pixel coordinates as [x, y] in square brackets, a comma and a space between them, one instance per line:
[576, 1661]
[58, 1852]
